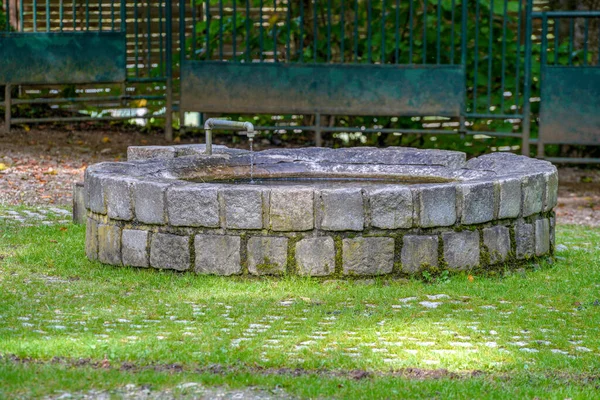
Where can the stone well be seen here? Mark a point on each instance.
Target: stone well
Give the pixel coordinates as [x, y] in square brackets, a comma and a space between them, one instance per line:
[390, 211]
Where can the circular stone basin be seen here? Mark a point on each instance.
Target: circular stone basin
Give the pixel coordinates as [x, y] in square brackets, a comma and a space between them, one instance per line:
[318, 212]
[322, 181]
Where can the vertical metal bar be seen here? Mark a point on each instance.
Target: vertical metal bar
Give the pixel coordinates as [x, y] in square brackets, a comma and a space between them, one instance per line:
[169, 68]
[182, 56]
[248, 57]
[148, 38]
[397, 33]
[74, 15]
[221, 16]
[288, 22]
[123, 11]
[527, 81]
[438, 32]
[61, 14]
[476, 54]
[586, 33]
[7, 107]
[21, 14]
[35, 15]
[136, 36]
[342, 31]
[425, 6]
[490, 41]
[99, 15]
[410, 32]
[382, 32]
[301, 38]
[275, 32]
[234, 44]
[556, 41]
[318, 133]
[463, 61]
[504, 17]
[355, 30]
[208, 21]
[518, 61]
[112, 15]
[182, 49]
[193, 53]
[328, 30]
[543, 62]
[261, 29]
[87, 15]
[315, 30]
[369, 44]
[452, 6]
[161, 39]
[571, 35]
[47, 15]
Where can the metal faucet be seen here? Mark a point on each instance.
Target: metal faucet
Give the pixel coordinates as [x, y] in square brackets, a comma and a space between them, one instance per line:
[214, 123]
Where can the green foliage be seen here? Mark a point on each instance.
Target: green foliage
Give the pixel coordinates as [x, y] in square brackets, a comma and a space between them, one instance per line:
[3, 23]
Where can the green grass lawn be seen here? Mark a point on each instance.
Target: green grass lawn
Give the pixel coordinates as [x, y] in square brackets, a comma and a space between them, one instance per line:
[68, 324]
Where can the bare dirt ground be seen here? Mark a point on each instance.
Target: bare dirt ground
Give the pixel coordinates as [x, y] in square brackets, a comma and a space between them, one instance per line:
[39, 166]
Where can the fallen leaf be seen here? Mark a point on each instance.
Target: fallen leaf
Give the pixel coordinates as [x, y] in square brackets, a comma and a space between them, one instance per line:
[105, 139]
[3, 167]
[471, 278]
[63, 228]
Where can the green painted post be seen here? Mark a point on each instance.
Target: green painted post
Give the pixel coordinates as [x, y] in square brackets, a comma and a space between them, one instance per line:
[169, 70]
[543, 62]
[463, 61]
[527, 81]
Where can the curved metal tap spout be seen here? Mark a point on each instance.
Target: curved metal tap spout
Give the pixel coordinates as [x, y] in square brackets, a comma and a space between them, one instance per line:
[215, 123]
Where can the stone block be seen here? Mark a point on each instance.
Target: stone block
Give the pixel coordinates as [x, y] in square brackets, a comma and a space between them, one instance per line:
[95, 189]
[477, 202]
[109, 244]
[134, 249]
[497, 241]
[291, 209]
[342, 209]
[542, 237]
[533, 194]
[79, 211]
[509, 197]
[119, 197]
[150, 202]
[551, 197]
[461, 249]
[243, 208]
[139, 153]
[552, 232]
[419, 252]
[91, 239]
[368, 256]
[524, 238]
[391, 208]
[437, 205]
[315, 256]
[170, 251]
[267, 255]
[193, 205]
[218, 255]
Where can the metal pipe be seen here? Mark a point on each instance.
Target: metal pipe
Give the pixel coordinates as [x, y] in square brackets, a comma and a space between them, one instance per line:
[215, 123]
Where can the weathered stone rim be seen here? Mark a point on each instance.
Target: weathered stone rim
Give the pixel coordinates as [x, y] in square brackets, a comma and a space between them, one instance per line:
[497, 208]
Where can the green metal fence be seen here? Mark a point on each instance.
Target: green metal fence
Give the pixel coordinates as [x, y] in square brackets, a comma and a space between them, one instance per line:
[476, 67]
